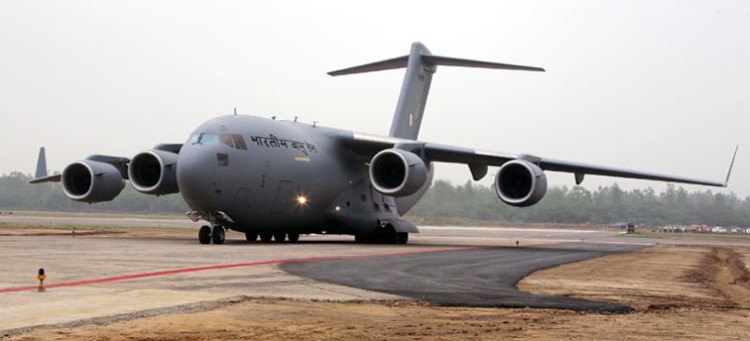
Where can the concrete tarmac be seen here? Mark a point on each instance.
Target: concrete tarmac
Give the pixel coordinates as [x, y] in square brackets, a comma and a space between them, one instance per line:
[102, 276]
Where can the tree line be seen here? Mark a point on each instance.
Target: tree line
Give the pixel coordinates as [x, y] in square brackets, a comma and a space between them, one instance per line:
[17, 194]
[577, 204]
[561, 204]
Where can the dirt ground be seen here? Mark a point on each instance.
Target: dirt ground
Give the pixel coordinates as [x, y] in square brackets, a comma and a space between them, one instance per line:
[679, 292]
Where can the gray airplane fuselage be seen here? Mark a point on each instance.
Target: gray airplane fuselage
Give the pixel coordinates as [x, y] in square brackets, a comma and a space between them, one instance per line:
[269, 175]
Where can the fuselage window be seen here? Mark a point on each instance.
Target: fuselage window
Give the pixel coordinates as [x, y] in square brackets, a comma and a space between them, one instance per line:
[227, 139]
[239, 141]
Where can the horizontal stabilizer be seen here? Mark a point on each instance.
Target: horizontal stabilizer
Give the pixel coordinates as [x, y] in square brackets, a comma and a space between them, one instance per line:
[390, 64]
[448, 61]
[400, 62]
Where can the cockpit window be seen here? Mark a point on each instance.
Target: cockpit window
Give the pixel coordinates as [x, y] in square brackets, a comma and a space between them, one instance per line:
[231, 140]
[239, 142]
[203, 139]
[226, 139]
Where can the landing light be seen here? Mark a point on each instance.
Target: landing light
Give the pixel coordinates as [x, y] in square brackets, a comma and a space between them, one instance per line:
[302, 200]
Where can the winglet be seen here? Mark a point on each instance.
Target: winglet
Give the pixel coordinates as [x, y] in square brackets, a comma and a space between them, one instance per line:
[41, 164]
[41, 170]
[726, 182]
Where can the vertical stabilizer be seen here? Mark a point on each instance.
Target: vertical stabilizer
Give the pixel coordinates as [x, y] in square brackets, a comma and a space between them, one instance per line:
[420, 65]
[410, 108]
[41, 164]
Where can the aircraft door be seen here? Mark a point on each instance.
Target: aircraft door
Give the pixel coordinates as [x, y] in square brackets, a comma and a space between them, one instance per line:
[283, 197]
[240, 196]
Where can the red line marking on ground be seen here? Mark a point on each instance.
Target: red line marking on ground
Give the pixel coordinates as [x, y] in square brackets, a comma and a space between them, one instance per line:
[240, 265]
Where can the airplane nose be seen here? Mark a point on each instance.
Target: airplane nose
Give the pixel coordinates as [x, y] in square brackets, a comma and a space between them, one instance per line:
[196, 178]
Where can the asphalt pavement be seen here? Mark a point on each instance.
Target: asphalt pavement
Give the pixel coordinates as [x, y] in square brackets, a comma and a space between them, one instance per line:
[473, 278]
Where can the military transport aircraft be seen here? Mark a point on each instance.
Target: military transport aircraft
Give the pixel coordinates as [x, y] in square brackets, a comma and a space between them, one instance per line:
[279, 179]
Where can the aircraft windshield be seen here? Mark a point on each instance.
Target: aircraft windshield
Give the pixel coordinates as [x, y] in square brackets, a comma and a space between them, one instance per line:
[203, 138]
[231, 140]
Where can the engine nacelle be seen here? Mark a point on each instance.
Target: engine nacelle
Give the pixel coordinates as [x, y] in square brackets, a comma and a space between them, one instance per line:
[154, 172]
[520, 183]
[91, 181]
[397, 172]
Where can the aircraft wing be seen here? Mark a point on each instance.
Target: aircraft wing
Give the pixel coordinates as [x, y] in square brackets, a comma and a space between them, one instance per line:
[117, 161]
[478, 160]
[51, 178]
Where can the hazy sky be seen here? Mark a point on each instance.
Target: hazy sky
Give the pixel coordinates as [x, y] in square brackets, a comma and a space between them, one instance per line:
[661, 86]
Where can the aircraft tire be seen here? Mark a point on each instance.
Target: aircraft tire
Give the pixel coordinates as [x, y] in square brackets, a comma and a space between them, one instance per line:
[361, 239]
[389, 235]
[293, 237]
[204, 235]
[251, 236]
[402, 238]
[218, 235]
[266, 237]
[279, 237]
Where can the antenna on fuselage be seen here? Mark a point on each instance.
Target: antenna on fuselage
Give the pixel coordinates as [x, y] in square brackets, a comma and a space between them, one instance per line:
[235, 111]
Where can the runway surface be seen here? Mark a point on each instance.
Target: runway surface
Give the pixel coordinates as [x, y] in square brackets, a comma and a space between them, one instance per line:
[476, 278]
[96, 277]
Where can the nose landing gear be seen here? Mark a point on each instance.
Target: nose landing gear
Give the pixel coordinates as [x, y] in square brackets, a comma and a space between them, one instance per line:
[207, 234]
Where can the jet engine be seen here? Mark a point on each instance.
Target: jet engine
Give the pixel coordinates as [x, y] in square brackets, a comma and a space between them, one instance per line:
[91, 181]
[397, 172]
[154, 172]
[520, 183]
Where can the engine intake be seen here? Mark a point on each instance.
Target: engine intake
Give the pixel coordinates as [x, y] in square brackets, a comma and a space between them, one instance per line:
[91, 181]
[520, 183]
[397, 172]
[154, 172]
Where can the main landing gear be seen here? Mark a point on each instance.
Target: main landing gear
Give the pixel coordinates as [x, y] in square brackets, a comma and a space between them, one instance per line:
[208, 234]
[384, 235]
[216, 234]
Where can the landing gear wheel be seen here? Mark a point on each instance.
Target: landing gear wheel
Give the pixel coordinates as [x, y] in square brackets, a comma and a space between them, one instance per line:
[266, 237]
[293, 237]
[279, 237]
[402, 238]
[251, 236]
[360, 239]
[389, 235]
[204, 235]
[218, 235]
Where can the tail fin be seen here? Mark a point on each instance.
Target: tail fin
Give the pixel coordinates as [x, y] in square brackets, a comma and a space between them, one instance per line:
[420, 65]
